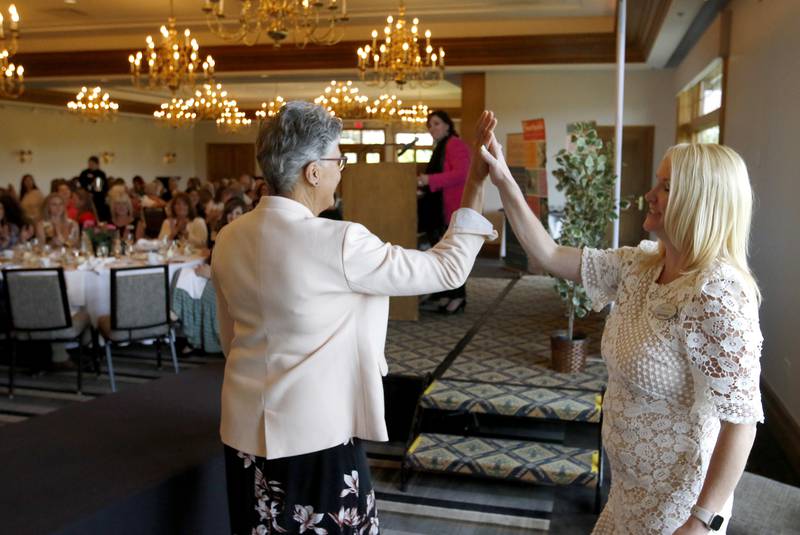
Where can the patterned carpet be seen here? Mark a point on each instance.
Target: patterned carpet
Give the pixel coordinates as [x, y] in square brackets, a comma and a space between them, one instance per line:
[416, 348]
[549, 464]
[513, 346]
[511, 400]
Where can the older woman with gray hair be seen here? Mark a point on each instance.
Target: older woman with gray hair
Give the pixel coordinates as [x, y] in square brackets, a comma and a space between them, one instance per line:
[303, 306]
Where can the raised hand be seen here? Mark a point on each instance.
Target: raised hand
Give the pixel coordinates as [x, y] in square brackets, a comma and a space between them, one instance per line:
[496, 161]
[484, 131]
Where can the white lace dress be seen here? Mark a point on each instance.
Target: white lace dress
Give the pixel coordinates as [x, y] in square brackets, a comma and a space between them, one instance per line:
[681, 357]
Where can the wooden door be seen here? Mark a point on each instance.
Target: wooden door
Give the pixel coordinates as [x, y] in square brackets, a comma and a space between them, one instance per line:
[637, 177]
[230, 160]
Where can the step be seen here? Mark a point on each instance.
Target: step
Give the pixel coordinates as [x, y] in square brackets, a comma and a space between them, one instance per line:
[513, 400]
[525, 461]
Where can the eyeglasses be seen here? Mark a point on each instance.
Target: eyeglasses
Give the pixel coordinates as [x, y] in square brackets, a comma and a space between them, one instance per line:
[341, 159]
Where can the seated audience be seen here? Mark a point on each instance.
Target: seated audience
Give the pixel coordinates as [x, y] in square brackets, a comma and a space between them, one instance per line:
[183, 223]
[9, 232]
[84, 208]
[61, 187]
[55, 228]
[14, 218]
[123, 217]
[138, 186]
[234, 208]
[152, 197]
[30, 198]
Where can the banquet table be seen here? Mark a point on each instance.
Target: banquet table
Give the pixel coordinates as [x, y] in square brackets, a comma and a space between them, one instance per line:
[89, 284]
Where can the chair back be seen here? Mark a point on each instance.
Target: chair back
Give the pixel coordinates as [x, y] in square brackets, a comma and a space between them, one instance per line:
[762, 505]
[37, 299]
[139, 297]
[153, 219]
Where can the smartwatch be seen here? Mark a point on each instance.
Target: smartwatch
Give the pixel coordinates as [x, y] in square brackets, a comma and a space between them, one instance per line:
[712, 521]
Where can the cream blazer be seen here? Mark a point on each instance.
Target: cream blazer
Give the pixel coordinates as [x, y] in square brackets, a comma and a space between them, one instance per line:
[302, 306]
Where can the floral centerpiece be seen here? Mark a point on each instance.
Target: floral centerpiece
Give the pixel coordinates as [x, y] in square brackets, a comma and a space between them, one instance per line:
[99, 235]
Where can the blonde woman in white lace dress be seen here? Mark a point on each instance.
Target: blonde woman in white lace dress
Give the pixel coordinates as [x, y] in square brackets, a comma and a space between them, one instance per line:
[682, 343]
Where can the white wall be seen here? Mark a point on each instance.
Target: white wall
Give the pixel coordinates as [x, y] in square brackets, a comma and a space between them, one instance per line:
[61, 143]
[567, 96]
[699, 57]
[761, 124]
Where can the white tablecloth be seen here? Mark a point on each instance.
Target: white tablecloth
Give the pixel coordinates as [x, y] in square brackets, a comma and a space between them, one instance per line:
[91, 288]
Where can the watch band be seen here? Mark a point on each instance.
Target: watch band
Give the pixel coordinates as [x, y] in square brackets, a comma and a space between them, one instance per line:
[711, 520]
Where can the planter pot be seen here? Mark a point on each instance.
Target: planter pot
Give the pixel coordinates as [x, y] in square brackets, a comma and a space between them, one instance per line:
[568, 356]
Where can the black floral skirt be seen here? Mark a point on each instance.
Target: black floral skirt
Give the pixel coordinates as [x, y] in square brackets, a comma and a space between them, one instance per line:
[327, 492]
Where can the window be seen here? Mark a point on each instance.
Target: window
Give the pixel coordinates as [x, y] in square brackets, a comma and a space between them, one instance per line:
[700, 107]
[421, 151]
[363, 137]
[358, 145]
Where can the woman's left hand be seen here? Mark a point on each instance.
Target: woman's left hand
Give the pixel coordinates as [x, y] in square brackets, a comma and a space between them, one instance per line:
[422, 181]
[692, 527]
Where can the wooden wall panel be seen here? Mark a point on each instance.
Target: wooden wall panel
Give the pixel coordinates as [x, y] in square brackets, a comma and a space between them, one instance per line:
[383, 198]
[473, 102]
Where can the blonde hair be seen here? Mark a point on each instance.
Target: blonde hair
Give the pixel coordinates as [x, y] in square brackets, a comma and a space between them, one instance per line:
[710, 208]
[46, 206]
[119, 196]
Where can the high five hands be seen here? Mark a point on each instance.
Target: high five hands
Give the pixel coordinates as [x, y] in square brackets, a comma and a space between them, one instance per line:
[490, 151]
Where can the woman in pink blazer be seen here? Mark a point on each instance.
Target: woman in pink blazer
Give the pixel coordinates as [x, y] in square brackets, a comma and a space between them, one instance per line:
[302, 306]
[444, 179]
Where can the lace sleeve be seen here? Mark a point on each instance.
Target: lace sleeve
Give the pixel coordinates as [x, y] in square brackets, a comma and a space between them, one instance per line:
[600, 275]
[723, 341]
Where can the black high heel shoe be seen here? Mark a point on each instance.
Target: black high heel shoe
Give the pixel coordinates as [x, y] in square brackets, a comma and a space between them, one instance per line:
[460, 308]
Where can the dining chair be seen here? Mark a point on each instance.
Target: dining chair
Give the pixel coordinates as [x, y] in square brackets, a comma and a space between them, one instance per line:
[38, 310]
[140, 310]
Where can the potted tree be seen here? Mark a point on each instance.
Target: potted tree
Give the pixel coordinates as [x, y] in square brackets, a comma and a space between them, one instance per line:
[586, 177]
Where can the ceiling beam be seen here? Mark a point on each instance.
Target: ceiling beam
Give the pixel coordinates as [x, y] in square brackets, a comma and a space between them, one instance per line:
[644, 21]
[461, 52]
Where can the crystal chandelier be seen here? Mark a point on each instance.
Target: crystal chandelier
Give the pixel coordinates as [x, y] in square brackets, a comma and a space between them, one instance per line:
[177, 113]
[385, 108]
[231, 119]
[313, 21]
[342, 99]
[416, 116]
[401, 57]
[93, 105]
[173, 63]
[11, 76]
[271, 108]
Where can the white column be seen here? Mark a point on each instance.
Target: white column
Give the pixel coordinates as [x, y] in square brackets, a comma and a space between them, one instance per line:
[621, 5]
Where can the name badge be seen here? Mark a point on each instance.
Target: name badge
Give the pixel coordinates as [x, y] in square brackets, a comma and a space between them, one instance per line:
[664, 311]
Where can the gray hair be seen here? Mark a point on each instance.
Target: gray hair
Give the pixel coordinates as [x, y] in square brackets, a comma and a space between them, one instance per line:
[301, 133]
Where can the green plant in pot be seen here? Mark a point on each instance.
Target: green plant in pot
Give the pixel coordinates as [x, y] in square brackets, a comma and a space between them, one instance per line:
[586, 176]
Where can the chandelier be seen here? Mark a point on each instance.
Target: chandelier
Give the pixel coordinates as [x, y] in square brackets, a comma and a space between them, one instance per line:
[177, 113]
[210, 102]
[385, 108]
[11, 76]
[416, 115]
[271, 108]
[313, 21]
[401, 57]
[93, 105]
[173, 63]
[231, 119]
[342, 99]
